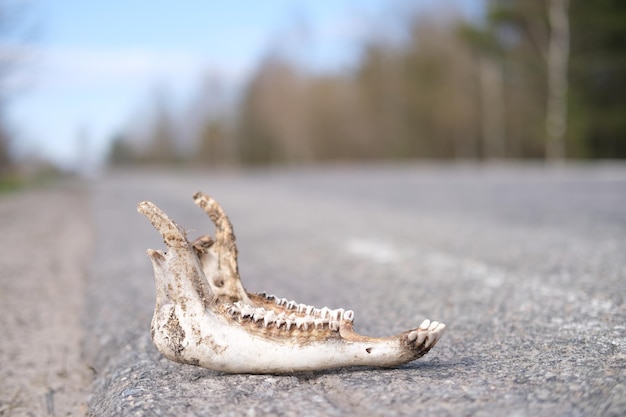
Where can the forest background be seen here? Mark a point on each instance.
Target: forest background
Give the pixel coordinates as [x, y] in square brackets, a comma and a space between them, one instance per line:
[532, 79]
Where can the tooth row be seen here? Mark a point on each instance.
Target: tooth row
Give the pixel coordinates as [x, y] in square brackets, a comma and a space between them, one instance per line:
[269, 317]
[323, 313]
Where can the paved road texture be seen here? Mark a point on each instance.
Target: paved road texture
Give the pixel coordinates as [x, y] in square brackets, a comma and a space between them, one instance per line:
[46, 239]
[525, 265]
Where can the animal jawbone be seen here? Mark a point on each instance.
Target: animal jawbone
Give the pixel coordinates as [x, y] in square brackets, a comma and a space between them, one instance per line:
[204, 316]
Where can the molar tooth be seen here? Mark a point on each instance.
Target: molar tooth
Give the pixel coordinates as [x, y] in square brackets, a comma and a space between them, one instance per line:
[336, 314]
[269, 318]
[324, 312]
[303, 323]
[309, 310]
[299, 322]
[259, 313]
[247, 311]
[333, 325]
[348, 315]
[301, 307]
[280, 319]
[288, 324]
[291, 305]
[309, 322]
[292, 317]
[319, 323]
[332, 315]
[233, 310]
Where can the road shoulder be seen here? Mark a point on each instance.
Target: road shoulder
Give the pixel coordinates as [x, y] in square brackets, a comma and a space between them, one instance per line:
[46, 239]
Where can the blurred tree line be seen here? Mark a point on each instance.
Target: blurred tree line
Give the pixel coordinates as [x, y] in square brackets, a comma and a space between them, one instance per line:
[9, 56]
[18, 30]
[534, 79]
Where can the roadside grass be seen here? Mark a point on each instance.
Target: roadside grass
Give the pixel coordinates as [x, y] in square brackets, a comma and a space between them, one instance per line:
[10, 184]
[13, 183]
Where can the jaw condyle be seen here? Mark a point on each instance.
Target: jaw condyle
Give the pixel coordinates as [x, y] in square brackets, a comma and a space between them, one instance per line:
[204, 316]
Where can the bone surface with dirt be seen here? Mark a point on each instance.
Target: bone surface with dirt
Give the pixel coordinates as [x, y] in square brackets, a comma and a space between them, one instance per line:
[204, 316]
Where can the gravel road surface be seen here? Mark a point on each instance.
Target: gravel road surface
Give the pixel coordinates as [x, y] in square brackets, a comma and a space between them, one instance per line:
[525, 264]
[46, 239]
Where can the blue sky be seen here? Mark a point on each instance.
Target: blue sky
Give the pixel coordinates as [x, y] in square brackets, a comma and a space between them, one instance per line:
[93, 64]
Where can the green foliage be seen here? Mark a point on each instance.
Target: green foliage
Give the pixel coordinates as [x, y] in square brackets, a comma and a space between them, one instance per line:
[6, 161]
[597, 73]
[9, 184]
[479, 39]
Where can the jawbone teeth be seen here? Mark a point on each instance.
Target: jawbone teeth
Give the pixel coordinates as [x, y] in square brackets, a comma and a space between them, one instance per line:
[308, 310]
[319, 323]
[259, 314]
[280, 320]
[270, 317]
[334, 326]
[302, 322]
[204, 316]
[348, 315]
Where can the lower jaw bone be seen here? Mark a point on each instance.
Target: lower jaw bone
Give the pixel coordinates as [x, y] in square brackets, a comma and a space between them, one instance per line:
[205, 317]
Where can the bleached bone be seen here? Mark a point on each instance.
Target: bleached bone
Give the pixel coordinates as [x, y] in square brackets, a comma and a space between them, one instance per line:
[204, 316]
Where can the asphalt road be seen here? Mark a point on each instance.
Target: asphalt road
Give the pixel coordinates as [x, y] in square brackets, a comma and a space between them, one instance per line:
[525, 264]
[46, 240]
